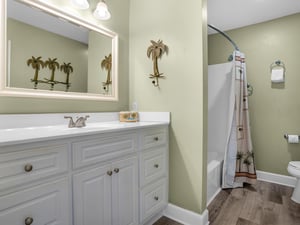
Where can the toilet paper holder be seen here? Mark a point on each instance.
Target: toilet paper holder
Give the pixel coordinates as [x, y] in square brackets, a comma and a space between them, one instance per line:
[286, 136]
[277, 63]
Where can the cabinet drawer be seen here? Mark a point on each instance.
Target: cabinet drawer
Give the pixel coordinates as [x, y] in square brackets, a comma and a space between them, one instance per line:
[153, 165]
[153, 199]
[102, 149]
[154, 137]
[30, 164]
[45, 204]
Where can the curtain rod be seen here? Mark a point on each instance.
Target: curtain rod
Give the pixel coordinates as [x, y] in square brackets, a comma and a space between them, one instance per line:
[225, 35]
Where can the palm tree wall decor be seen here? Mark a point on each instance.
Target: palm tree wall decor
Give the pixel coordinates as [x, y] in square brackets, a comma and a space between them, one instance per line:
[52, 65]
[67, 69]
[106, 64]
[36, 64]
[155, 51]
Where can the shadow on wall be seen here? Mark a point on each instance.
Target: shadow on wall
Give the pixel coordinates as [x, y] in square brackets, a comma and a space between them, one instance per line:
[278, 85]
[293, 149]
[181, 192]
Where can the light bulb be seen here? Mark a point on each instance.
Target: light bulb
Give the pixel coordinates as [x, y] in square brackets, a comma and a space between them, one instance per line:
[80, 4]
[101, 12]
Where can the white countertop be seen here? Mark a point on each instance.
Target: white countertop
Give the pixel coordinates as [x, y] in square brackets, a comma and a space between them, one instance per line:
[38, 131]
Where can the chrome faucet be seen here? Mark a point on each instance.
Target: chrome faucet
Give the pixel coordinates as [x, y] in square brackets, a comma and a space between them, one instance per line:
[80, 122]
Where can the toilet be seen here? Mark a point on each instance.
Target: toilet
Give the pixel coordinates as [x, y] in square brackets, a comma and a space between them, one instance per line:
[294, 170]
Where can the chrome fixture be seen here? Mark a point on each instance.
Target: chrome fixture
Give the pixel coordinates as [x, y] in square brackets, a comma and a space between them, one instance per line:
[80, 122]
[80, 4]
[101, 12]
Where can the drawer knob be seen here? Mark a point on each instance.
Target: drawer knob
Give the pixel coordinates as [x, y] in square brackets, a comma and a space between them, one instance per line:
[28, 220]
[116, 170]
[109, 173]
[156, 139]
[156, 165]
[28, 167]
[156, 198]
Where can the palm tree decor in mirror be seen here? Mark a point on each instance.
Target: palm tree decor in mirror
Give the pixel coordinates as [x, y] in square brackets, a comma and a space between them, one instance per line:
[36, 64]
[52, 65]
[156, 50]
[106, 65]
[67, 69]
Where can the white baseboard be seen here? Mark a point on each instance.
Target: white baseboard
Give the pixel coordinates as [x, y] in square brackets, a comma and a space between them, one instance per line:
[213, 197]
[276, 178]
[185, 216]
[152, 220]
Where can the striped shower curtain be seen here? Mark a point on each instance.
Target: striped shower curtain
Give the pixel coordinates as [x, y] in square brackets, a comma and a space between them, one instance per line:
[239, 159]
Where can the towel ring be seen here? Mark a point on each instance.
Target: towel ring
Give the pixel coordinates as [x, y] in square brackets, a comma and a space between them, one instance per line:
[277, 63]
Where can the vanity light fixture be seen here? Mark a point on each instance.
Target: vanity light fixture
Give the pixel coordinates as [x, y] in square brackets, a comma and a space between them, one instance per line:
[101, 12]
[80, 4]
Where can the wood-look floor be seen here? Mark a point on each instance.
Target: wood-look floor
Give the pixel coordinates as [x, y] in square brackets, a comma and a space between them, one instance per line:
[260, 204]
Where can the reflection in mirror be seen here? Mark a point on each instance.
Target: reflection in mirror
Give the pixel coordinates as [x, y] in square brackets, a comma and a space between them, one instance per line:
[50, 54]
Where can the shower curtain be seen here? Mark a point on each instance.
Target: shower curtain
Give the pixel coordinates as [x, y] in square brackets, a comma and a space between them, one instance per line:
[239, 159]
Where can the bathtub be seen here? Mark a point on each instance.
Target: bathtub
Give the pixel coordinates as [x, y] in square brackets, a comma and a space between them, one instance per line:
[214, 175]
[219, 123]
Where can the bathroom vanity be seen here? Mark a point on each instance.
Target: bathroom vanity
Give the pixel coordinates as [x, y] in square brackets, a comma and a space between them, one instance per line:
[105, 173]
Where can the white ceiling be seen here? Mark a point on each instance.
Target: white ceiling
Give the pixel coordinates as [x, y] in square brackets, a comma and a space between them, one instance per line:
[231, 14]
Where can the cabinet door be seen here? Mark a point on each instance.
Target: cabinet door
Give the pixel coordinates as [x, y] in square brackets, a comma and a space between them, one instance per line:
[92, 197]
[43, 205]
[125, 192]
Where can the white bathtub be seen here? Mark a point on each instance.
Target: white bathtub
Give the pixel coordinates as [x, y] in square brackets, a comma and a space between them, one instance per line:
[214, 175]
[219, 95]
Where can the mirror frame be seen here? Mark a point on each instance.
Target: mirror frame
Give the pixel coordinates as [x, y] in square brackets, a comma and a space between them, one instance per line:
[53, 10]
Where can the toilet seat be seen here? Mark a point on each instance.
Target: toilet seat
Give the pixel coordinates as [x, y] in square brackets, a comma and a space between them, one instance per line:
[295, 164]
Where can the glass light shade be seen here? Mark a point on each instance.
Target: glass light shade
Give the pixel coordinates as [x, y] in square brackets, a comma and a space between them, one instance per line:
[80, 4]
[101, 12]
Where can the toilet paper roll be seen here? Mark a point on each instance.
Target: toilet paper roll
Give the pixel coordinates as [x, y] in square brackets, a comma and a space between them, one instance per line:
[277, 75]
[293, 139]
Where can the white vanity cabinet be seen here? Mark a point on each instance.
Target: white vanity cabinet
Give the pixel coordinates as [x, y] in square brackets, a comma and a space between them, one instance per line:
[34, 188]
[107, 195]
[153, 172]
[42, 204]
[106, 178]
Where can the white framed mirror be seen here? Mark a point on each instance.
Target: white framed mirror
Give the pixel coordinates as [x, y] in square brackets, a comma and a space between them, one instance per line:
[53, 53]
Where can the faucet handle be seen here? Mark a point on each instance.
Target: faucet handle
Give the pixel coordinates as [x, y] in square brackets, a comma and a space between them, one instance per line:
[71, 122]
[80, 122]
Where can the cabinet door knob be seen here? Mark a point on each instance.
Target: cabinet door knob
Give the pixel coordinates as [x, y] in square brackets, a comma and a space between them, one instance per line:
[28, 220]
[156, 165]
[109, 173]
[156, 139]
[116, 170]
[156, 198]
[28, 167]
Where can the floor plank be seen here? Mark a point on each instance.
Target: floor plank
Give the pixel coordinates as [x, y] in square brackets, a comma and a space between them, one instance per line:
[260, 204]
[166, 221]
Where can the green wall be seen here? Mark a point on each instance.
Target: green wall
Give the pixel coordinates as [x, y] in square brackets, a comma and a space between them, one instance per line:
[181, 92]
[274, 109]
[118, 23]
[28, 41]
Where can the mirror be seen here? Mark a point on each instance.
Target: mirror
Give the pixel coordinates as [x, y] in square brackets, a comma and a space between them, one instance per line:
[53, 53]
